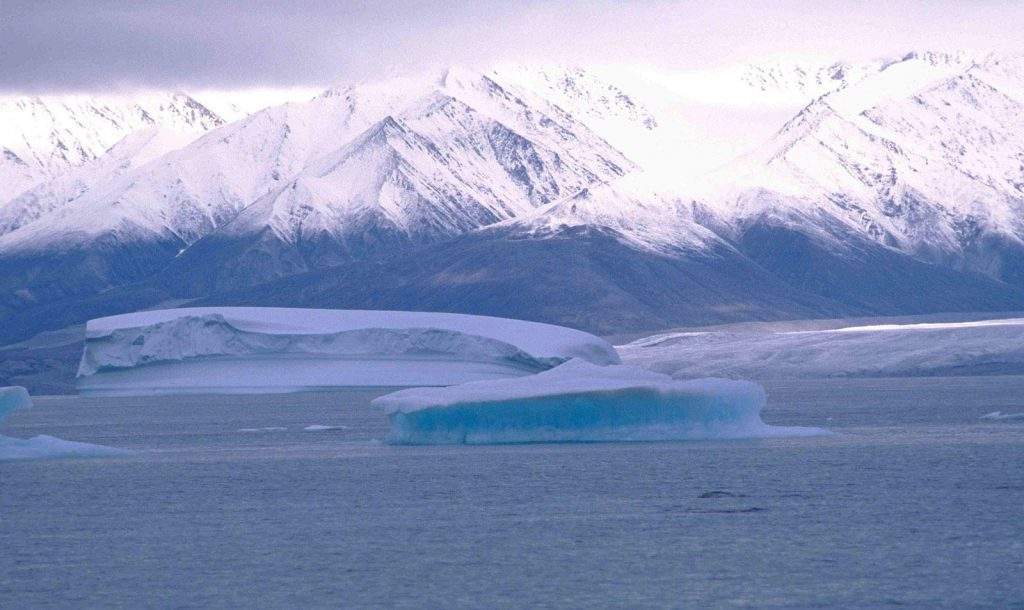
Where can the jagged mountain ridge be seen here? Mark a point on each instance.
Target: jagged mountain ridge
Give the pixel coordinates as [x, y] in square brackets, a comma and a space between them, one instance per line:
[44, 136]
[435, 171]
[931, 166]
[895, 190]
[134, 150]
[50, 134]
[413, 161]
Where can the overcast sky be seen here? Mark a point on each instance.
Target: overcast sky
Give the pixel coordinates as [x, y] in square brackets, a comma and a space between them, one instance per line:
[88, 45]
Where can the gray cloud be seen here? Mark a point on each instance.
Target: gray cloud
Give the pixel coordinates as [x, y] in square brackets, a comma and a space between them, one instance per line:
[100, 44]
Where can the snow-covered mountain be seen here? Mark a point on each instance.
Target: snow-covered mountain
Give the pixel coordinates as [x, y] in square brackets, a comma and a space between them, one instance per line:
[49, 134]
[41, 137]
[466, 154]
[15, 173]
[924, 156]
[358, 169]
[191, 190]
[773, 189]
[134, 150]
[638, 214]
[680, 125]
[441, 167]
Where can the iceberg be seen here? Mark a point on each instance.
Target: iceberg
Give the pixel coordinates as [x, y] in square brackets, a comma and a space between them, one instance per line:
[581, 402]
[255, 350]
[49, 447]
[41, 446]
[1000, 416]
[11, 398]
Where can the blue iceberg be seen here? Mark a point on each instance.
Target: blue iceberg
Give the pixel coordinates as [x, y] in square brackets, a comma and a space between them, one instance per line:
[42, 446]
[581, 402]
[11, 398]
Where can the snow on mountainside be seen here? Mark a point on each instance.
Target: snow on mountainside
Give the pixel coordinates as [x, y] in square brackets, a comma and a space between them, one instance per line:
[200, 188]
[793, 79]
[672, 127]
[357, 168]
[190, 191]
[636, 213]
[779, 81]
[135, 150]
[886, 186]
[41, 137]
[15, 174]
[679, 125]
[439, 168]
[234, 105]
[919, 152]
[50, 134]
[924, 156]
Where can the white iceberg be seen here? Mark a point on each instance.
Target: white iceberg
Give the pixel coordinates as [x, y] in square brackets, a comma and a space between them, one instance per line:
[49, 447]
[264, 429]
[41, 446]
[1000, 416]
[255, 349]
[581, 402]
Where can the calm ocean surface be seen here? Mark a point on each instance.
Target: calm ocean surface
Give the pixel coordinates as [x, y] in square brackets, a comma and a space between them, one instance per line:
[229, 501]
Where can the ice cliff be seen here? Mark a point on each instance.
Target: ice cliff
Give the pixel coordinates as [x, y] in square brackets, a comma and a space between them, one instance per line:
[267, 349]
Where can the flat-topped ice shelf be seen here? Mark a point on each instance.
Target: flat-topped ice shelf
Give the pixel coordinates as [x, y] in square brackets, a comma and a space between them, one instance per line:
[264, 350]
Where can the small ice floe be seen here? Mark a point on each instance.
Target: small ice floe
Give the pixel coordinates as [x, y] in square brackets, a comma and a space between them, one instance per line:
[264, 429]
[581, 402]
[1000, 416]
[42, 446]
[323, 428]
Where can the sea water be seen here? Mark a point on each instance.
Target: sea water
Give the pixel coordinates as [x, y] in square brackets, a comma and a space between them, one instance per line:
[294, 500]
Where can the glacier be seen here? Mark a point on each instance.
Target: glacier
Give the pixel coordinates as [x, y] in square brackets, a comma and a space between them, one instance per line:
[42, 446]
[256, 350]
[797, 350]
[581, 402]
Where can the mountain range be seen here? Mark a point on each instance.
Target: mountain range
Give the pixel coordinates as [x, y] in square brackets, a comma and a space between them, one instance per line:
[610, 199]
